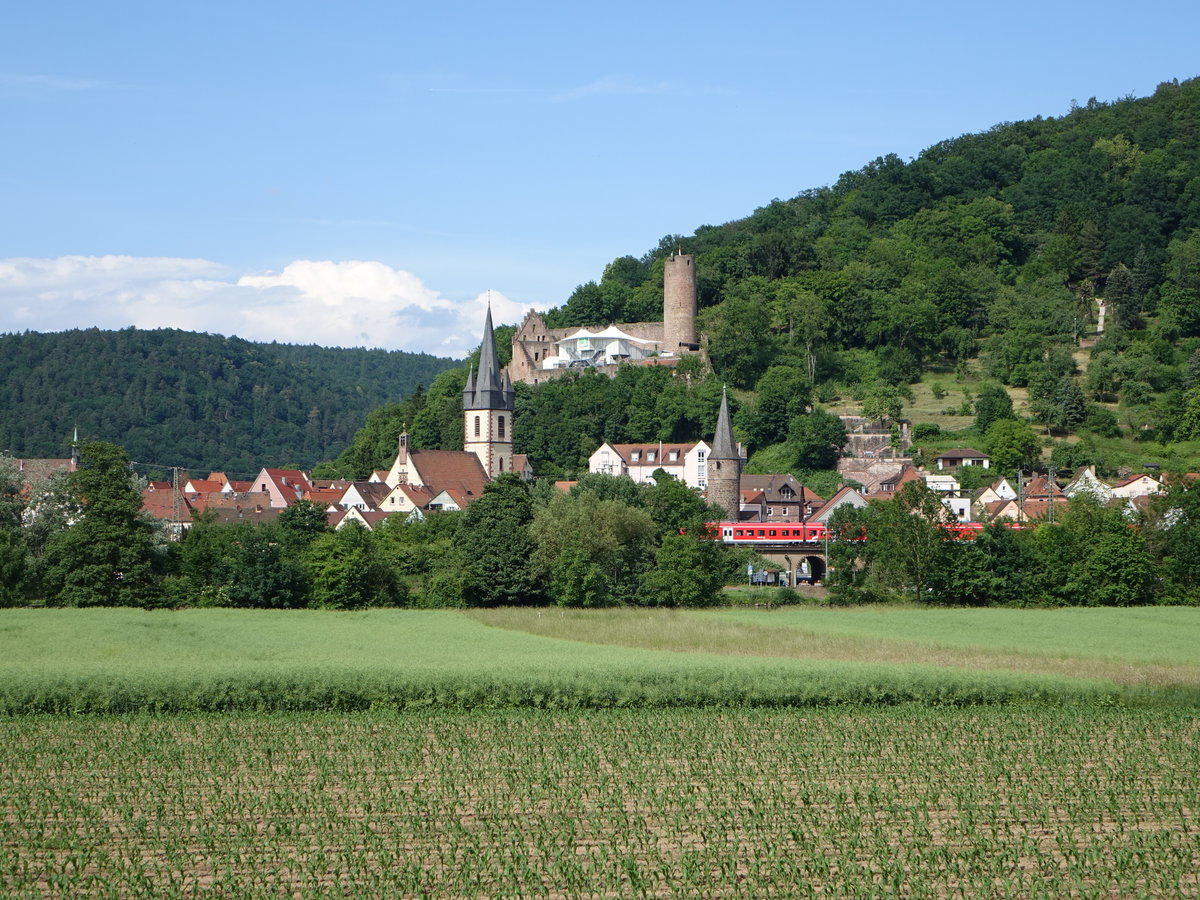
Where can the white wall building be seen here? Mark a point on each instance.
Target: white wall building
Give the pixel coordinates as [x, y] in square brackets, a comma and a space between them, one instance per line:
[685, 462]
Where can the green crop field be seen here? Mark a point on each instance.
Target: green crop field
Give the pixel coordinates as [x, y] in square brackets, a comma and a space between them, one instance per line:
[903, 801]
[800, 752]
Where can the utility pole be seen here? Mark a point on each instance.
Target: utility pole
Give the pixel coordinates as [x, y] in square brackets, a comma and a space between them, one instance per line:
[176, 505]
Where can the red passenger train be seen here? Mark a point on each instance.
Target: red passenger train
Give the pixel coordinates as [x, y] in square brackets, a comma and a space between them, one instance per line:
[812, 533]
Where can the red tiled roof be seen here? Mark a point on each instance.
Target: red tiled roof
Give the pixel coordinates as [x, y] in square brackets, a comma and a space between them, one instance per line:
[32, 470]
[441, 470]
[626, 451]
[205, 486]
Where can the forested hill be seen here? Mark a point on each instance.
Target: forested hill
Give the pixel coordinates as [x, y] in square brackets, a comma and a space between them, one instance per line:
[198, 400]
[983, 257]
[906, 264]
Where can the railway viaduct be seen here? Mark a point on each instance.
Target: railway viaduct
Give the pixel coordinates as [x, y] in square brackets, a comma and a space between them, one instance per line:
[801, 563]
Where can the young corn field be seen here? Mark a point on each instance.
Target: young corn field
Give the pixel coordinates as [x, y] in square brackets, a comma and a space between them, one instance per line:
[912, 801]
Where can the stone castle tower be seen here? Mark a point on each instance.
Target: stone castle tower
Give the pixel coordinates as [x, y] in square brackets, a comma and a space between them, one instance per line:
[533, 344]
[679, 303]
[725, 466]
[488, 409]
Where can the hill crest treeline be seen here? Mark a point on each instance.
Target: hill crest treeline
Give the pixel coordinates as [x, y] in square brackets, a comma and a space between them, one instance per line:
[202, 401]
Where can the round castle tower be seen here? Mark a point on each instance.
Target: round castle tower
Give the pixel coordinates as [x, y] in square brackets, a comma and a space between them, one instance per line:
[679, 303]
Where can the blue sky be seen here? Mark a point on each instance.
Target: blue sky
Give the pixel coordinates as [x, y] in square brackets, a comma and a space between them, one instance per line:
[364, 173]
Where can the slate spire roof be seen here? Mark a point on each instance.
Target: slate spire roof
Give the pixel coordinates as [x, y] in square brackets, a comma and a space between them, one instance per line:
[488, 388]
[724, 446]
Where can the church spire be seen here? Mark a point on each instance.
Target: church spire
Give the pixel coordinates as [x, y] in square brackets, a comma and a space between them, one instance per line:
[724, 445]
[488, 389]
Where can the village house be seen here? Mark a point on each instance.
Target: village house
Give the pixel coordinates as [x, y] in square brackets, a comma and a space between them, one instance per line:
[784, 498]
[684, 462]
[964, 456]
[846, 495]
[1138, 486]
[283, 487]
[1085, 481]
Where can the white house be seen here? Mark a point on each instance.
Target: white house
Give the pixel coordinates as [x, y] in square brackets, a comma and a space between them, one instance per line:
[685, 462]
[963, 456]
[1138, 486]
[960, 508]
[1087, 482]
[942, 484]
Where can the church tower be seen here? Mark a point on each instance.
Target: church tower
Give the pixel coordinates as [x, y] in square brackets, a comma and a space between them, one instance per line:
[725, 466]
[488, 409]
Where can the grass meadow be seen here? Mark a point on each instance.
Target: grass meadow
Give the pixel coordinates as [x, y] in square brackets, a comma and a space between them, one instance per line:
[725, 753]
[125, 660]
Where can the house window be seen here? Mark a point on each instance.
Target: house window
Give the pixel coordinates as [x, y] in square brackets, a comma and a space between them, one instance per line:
[500, 423]
[477, 426]
[673, 456]
[635, 455]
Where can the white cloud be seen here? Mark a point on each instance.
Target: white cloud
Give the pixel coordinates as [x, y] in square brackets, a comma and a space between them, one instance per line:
[345, 304]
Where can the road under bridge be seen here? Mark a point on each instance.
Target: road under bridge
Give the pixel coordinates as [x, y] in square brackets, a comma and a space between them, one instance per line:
[801, 564]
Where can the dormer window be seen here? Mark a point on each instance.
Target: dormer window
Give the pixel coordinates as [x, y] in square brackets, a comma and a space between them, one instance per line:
[673, 456]
[635, 455]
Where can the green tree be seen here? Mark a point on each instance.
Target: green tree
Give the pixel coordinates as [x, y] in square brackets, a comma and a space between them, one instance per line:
[905, 541]
[591, 551]
[346, 571]
[816, 440]
[1012, 445]
[739, 341]
[302, 522]
[675, 507]
[804, 315]
[12, 504]
[1122, 297]
[991, 405]
[783, 393]
[15, 571]
[494, 554]
[107, 558]
[688, 571]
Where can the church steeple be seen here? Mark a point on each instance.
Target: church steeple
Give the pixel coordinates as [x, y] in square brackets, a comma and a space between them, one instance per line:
[488, 389]
[487, 408]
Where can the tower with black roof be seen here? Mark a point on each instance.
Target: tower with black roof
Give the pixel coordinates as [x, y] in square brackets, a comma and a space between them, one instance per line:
[725, 466]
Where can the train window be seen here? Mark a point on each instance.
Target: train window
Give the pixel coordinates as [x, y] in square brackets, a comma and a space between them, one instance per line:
[772, 532]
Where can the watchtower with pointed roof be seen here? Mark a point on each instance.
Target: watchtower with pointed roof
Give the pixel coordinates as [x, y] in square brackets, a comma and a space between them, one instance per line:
[488, 409]
[725, 465]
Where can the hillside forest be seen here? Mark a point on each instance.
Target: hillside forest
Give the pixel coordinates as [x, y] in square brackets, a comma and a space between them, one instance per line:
[202, 401]
[973, 270]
